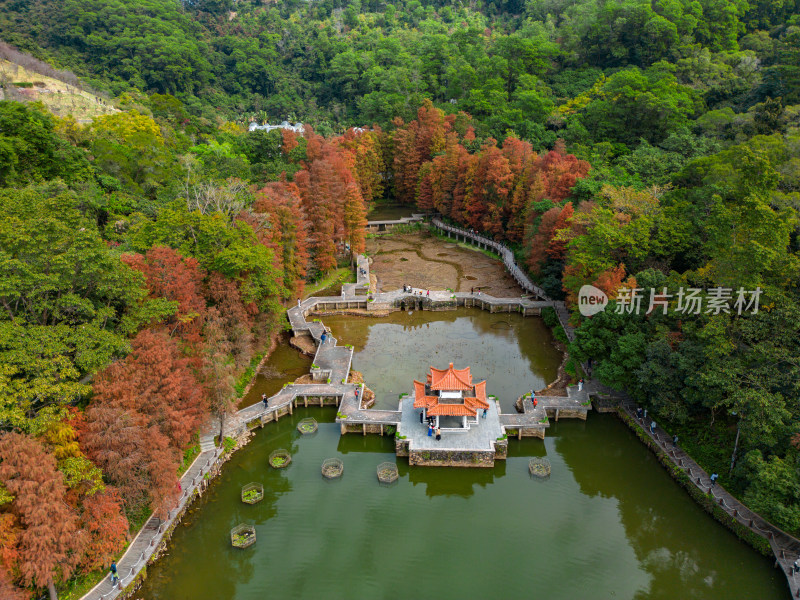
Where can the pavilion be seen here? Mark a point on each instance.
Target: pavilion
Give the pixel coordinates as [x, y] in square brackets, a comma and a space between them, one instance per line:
[449, 394]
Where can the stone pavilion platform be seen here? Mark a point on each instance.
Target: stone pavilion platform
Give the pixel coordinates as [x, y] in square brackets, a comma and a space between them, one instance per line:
[478, 446]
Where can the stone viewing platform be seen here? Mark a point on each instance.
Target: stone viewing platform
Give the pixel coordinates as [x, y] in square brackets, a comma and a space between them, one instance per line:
[477, 446]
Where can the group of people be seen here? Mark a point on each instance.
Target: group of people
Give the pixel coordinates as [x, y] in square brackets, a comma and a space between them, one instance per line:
[433, 429]
[410, 290]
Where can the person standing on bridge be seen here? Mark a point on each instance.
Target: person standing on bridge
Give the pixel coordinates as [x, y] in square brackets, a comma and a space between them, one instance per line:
[796, 566]
[713, 479]
[652, 426]
[298, 303]
[580, 385]
[265, 401]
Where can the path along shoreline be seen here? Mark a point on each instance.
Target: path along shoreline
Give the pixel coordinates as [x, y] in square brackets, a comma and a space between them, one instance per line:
[332, 364]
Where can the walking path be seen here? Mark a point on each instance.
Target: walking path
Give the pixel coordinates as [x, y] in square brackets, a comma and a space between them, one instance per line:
[511, 264]
[388, 224]
[785, 547]
[149, 538]
[331, 367]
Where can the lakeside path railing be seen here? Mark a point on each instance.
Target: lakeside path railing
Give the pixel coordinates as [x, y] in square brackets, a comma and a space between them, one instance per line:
[514, 270]
[335, 361]
[785, 547]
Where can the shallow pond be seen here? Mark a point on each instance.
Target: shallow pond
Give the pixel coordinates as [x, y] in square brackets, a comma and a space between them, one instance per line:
[513, 353]
[608, 523]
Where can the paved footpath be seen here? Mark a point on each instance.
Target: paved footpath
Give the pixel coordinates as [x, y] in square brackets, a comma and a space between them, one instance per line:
[331, 367]
[150, 536]
[785, 547]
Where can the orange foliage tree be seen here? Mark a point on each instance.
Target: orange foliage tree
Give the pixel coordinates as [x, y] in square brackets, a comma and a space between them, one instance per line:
[49, 543]
[180, 279]
[284, 230]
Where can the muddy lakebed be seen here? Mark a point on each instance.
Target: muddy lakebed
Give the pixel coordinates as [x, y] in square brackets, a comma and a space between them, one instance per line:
[608, 523]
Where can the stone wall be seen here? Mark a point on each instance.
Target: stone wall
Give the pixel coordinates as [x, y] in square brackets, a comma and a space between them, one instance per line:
[401, 446]
[451, 458]
[521, 432]
[501, 449]
[568, 413]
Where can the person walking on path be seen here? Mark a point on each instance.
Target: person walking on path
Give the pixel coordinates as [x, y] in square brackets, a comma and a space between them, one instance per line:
[645, 413]
[675, 440]
[652, 426]
[485, 412]
[342, 292]
[428, 293]
[639, 412]
[430, 430]
[796, 566]
[713, 479]
[264, 401]
[113, 569]
[438, 434]
[580, 385]
[298, 303]
[322, 338]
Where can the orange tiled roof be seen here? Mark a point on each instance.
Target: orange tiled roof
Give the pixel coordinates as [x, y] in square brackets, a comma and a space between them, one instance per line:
[420, 399]
[450, 379]
[480, 395]
[452, 410]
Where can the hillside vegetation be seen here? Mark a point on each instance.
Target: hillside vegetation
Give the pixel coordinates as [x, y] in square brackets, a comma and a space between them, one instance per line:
[630, 144]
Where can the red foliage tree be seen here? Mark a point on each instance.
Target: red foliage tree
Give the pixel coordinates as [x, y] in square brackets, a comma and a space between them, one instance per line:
[104, 521]
[355, 218]
[174, 277]
[366, 162]
[541, 240]
[284, 230]
[50, 543]
[8, 591]
[288, 140]
[557, 246]
[154, 381]
[406, 164]
[236, 317]
[135, 456]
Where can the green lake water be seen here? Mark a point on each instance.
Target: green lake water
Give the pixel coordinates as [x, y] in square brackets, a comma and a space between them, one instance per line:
[608, 523]
[390, 212]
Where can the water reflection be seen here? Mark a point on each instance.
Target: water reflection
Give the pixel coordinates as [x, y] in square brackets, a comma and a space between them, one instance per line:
[512, 352]
[651, 508]
[451, 482]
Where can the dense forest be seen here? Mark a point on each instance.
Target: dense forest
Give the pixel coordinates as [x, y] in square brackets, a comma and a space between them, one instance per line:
[146, 255]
